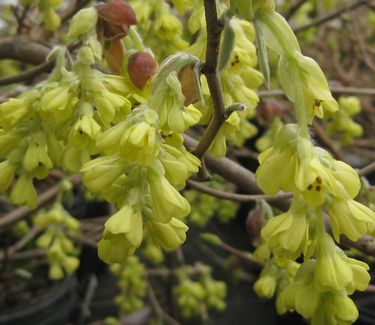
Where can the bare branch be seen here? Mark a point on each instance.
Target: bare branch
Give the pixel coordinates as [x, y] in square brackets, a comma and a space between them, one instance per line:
[331, 15]
[214, 29]
[23, 50]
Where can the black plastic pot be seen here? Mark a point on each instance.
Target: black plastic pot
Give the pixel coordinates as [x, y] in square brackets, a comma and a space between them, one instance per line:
[53, 308]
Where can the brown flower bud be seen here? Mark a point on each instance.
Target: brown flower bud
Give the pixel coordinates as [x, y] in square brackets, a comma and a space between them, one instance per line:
[115, 17]
[114, 55]
[186, 77]
[117, 12]
[255, 221]
[141, 67]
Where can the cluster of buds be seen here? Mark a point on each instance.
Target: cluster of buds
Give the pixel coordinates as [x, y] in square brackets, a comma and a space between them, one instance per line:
[132, 284]
[196, 297]
[341, 123]
[57, 227]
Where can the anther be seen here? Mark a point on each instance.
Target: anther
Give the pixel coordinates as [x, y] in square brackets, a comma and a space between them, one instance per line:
[319, 180]
[318, 188]
[310, 187]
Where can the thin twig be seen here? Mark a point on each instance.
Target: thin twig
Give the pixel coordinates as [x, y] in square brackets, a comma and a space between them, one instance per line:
[214, 28]
[24, 240]
[369, 169]
[24, 50]
[18, 214]
[294, 8]
[29, 74]
[330, 16]
[243, 255]
[243, 198]
[334, 90]
[155, 304]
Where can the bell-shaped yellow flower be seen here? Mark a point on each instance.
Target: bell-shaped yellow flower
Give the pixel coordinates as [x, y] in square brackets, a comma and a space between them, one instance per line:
[7, 171]
[85, 130]
[168, 101]
[178, 165]
[287, 233]
[332, 271]
[139, 143]
[114, 248]
[127, 221]
[24, 192]
[270, 177]
[335, 308]
[350, 218]
[100, 173]
[361, 277]
[266, 284]
[169, 235]
[166, 201]
[36, 160]
[8, 141]
[302, 294]
[13, 111]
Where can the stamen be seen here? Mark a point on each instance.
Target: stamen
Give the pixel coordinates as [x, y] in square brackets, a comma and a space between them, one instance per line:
[319, 180]
[310, 187]
[318, 188]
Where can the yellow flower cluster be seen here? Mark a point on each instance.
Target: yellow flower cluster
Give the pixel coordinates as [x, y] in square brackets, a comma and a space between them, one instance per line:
[56, 224]
[318, 288]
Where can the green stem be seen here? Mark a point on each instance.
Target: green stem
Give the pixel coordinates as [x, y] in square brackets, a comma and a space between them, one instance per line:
[136, 38]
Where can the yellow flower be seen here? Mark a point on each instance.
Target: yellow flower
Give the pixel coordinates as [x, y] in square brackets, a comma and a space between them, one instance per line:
[170, 235]
[169, 100]
[8, 142]
[139, 143]
[166, 201]
[318, 173]
[36, 160]
[335, 308]
[55, 100]
[350, 218]
[24, 192]
[84, 132]
[114, 248]
[287, 234]
[178, 165]
[13, 111]
[167, 26]
[100, 173]
[266, 284]
[7, 171]
[335, 271]
[317, 97]
[127, 221]
[270, 177]
[74, 158]
[136, 138]
[302, 294]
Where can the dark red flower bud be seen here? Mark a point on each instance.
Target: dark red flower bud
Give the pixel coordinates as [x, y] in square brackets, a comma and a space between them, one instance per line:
[141, 67]
[117, 12]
